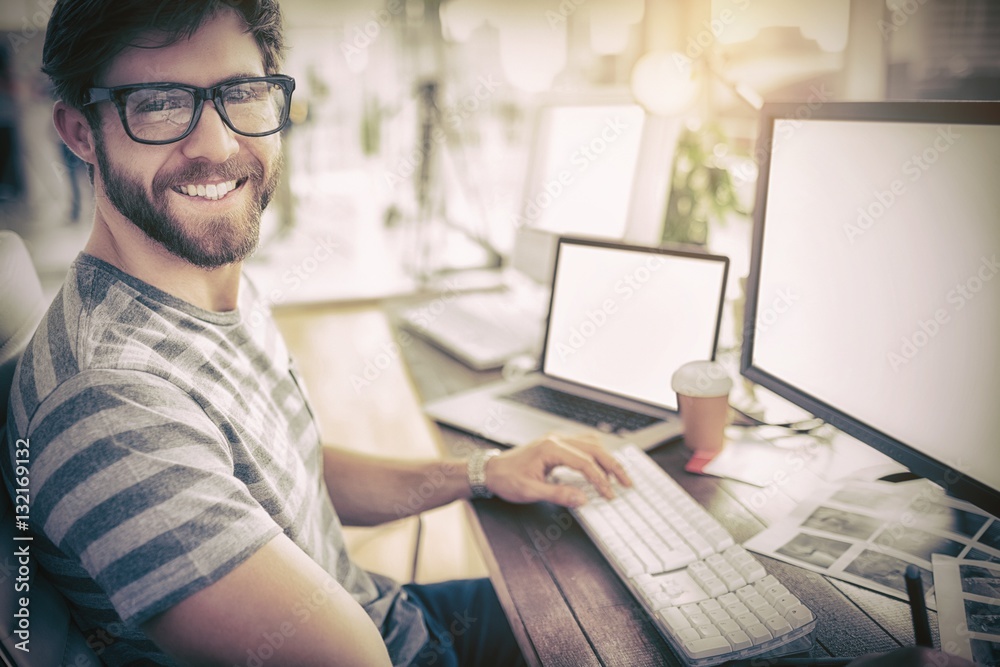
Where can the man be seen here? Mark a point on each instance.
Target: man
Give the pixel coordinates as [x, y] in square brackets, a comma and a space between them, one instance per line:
[180, 496]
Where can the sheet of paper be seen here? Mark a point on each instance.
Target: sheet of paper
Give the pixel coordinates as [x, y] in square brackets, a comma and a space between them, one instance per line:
[748, 458]
[968, 594]
[868, 532]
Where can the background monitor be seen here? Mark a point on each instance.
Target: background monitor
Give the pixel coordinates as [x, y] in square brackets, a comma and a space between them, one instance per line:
[582, 168]
[874, 296]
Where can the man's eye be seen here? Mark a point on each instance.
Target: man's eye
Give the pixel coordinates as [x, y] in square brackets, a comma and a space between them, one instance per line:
[156, 104]
[244, 94]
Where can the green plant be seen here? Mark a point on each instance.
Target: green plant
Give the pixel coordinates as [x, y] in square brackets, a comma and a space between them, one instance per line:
[701, 188]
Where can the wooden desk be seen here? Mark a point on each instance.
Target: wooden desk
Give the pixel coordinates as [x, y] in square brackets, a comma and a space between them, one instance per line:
[566, 604]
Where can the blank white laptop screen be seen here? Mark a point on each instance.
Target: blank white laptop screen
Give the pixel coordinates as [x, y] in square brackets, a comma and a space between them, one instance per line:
[624, 320]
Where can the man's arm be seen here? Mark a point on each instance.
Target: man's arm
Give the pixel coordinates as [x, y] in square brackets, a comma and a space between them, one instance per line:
[279, 598]
[369, 490]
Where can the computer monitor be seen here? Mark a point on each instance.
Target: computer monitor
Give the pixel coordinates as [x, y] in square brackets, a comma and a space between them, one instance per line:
[873, 299]
[582, 168]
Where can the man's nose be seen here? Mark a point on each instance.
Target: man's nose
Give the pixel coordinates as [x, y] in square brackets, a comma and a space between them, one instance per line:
[211, 139]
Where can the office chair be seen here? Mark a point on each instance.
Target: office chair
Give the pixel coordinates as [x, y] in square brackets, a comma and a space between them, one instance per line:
[54, 637]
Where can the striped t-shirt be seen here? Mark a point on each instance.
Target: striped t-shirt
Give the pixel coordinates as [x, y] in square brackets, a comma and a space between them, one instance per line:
[168, 443]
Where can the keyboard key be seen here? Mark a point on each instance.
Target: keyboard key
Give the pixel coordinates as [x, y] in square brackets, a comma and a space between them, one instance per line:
[700, 619]
[719, 615]
[772, 593]
[738, 609]
[688, 635]
[708, 630]
[707, 647]
[630, 566]
[690, 610]
[799, 616]
[738, 639]
[675, 619]
[746, 592]
[708, 606]
[766, 612]
[778, 626]
[728, 600]
[728, 625]
[758, 633]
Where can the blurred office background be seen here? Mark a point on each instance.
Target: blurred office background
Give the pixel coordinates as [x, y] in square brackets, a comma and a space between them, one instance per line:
[418, 124]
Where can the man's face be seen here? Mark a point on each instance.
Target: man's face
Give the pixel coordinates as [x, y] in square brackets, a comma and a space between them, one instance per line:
[151, 185]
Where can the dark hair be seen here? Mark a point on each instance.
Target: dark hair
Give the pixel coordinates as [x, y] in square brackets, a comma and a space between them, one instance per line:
[84, 36]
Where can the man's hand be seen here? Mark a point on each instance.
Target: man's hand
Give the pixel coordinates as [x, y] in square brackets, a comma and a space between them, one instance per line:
[520, 475]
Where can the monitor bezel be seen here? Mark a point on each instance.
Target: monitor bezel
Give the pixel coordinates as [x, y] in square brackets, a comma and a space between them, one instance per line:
[955, 482]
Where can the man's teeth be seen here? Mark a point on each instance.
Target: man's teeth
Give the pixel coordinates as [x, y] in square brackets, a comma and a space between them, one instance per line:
[211, 191]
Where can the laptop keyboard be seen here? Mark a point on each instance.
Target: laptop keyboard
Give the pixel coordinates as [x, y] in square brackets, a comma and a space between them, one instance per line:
[601, 416]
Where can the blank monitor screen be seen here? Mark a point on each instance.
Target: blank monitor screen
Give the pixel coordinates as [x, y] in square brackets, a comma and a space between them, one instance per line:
[874, 294]
[582, 169]
[623, 318]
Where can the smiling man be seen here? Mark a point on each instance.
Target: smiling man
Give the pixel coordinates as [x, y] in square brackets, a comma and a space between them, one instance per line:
[181, 499]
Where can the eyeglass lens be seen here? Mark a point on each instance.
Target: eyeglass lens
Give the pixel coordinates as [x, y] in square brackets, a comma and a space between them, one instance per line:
[156, 114]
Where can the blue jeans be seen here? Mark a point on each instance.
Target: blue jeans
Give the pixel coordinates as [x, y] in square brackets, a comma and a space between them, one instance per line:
[467, 626]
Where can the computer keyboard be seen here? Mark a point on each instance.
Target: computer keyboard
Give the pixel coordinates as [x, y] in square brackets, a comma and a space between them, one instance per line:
[710, 598]
[601, 416]
[483, 330]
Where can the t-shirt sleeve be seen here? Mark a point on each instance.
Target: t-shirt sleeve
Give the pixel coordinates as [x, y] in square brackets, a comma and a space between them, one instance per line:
[131, 477]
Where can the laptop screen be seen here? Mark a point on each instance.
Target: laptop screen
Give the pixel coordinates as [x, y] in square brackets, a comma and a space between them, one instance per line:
[624, 318]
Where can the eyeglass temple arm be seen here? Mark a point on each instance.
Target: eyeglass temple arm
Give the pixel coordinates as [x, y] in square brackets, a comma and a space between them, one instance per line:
[97, 95]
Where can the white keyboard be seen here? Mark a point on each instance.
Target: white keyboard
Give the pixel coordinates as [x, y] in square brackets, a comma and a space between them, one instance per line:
[710, 598]
[483, 330]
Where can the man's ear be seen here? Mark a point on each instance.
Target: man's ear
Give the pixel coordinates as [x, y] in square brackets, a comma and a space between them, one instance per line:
[74, 129]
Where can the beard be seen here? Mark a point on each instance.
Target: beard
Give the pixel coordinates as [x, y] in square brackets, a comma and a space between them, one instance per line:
[217, 241]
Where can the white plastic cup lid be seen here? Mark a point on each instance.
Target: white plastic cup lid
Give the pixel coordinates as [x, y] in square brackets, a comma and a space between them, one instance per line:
[703, 379]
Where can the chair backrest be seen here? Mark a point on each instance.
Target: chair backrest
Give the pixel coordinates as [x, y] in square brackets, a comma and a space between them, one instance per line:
[45, 622]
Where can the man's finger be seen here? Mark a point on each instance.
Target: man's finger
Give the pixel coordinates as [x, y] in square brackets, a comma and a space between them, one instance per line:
[561, 453]
[560, 494]
[592, 446]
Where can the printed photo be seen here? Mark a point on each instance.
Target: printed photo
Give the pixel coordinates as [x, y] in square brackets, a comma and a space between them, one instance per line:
[985, 653]
[860, 496]
[982, 617]
[843, 523]
[944, 517]
[976, 554]
[991, 537]
[885, 570]
[918, 542]
[820, 551]
[980, 581]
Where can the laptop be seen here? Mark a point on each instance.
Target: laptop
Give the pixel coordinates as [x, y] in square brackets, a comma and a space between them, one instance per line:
[622, 318]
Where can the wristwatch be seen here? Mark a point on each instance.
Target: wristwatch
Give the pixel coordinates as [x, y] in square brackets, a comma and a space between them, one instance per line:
[477, 472]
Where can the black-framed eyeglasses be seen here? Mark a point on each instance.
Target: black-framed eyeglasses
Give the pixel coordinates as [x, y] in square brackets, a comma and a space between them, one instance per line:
[162, 113]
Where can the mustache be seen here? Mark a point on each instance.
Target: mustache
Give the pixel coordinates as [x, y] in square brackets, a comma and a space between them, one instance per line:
[200, 172]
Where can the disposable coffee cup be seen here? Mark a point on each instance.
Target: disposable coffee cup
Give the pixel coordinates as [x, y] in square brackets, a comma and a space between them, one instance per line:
[702, 389]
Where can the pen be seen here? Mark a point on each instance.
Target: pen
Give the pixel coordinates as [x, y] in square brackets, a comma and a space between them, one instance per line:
[918, 607]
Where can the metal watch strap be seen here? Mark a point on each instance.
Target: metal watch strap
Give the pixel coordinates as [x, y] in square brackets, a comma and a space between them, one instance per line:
[477, 472]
